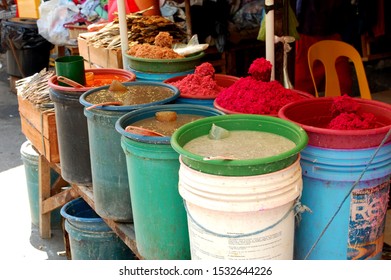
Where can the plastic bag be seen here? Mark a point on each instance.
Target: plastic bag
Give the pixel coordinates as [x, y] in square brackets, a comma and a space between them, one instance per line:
[53, 15]
[191, 48]
[249, 16]
[21, 34]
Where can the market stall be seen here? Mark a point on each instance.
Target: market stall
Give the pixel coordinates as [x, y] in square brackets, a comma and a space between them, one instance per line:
[110, 120]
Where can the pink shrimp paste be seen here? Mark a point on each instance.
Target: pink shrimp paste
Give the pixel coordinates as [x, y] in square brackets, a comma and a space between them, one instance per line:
[200, 84]
[256, 94]
[346, 116]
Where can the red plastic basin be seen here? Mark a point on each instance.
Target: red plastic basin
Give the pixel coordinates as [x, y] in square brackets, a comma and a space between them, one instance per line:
[314, 114]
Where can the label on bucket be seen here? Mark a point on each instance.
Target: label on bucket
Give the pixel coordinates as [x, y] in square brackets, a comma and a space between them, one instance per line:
[367, 221]
[275, 243]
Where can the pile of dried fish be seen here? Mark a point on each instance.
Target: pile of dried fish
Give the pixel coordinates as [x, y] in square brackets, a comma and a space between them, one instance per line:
[141, 29]
[35, 89]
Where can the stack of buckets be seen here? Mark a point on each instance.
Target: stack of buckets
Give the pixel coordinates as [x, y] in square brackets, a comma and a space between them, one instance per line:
[241, 209]
[159, 217]
[108, 162]
[346, 183]
[89, 235]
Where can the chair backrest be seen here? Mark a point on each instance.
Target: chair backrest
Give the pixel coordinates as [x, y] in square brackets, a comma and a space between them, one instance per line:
[327, 52]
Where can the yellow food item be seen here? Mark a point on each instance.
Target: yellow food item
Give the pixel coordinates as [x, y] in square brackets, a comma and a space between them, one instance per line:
[166, 116]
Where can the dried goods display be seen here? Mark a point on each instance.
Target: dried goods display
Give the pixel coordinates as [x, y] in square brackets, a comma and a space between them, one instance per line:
[35, 89]
[141, 29]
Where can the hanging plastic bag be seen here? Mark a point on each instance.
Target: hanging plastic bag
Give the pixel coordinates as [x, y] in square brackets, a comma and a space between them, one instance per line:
[192, 47]
[53, 15]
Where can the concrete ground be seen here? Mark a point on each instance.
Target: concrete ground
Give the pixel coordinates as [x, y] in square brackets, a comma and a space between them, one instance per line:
[19, 238]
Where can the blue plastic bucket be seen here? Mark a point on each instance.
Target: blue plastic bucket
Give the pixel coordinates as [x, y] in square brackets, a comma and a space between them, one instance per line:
[347, 193]
[159, 215]
[89, 236]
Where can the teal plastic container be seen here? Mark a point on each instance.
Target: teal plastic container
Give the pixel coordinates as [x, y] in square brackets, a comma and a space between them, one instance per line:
[194, 101]
[159, 216]
[89, 236]
[357, 230]
[30, 160]
[158, 77]
[108, 162]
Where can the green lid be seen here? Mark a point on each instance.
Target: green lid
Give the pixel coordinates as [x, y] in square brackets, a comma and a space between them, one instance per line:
[246, 167]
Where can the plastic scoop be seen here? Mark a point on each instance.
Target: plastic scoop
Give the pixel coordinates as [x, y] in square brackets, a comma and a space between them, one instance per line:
[69, 82]
[142, 131]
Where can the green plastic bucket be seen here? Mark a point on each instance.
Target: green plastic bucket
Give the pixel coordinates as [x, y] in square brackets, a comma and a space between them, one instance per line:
[150, 65]
[158, 213]
[251, 122]
[108, 162]
[89, 236]
[30, 160]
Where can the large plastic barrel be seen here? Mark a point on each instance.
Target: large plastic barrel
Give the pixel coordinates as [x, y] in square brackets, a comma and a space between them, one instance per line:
[108, 162]
[241, 217]
[347, 188]
[72, 135]
[159, 216]
[72, 129]
[346, 181]
[235, 205]
[30, 160]
[89, 236]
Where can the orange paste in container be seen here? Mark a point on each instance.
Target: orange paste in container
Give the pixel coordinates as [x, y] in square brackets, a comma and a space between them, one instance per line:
[102, 79]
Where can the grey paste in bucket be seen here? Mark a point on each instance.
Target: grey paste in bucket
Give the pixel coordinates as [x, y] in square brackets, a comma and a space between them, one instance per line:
[234, 165]
[108, 162]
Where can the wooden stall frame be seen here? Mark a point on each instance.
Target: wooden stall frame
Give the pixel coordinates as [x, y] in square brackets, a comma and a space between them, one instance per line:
[54, 196]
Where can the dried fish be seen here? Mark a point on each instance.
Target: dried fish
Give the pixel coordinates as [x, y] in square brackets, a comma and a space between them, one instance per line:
[141, 29]
[35, 89]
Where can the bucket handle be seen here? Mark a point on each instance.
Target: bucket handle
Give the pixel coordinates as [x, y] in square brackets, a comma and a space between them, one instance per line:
[297, 207]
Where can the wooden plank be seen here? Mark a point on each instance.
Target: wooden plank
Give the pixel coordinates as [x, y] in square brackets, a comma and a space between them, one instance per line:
[58, 200]
[43, 194]
[58, 185]
[125, 231]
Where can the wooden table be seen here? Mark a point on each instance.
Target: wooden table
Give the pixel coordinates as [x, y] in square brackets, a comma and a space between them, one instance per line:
[54, 196]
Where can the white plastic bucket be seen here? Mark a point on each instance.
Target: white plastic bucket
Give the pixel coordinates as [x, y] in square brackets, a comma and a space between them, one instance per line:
[241, 218]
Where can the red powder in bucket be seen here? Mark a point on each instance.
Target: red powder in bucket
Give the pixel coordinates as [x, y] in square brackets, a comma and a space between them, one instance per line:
[261, 69]
[346, 115]
[200, 84]
[256, 94]
[251, 96]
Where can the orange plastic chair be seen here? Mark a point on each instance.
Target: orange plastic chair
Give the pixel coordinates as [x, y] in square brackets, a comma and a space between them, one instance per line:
[327, 52]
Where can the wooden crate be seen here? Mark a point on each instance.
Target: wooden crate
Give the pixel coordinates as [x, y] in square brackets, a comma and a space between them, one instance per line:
[98, 57]
[40, 128]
